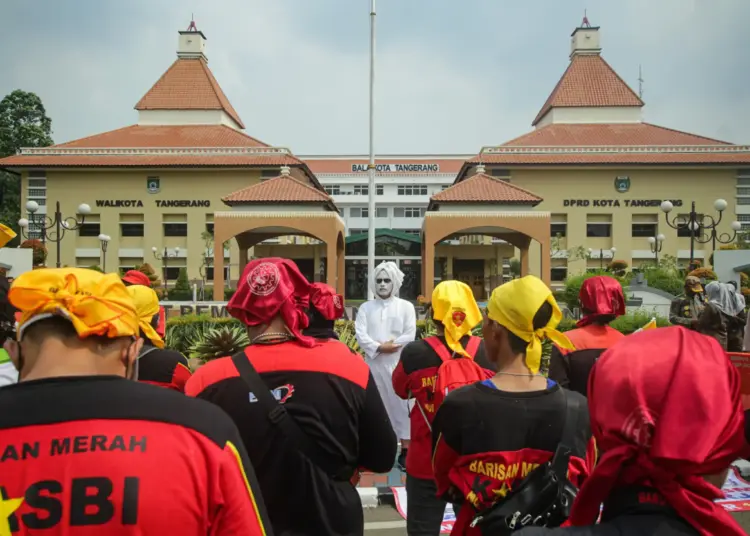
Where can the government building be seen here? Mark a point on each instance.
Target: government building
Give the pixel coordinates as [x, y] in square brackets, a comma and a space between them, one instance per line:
[187, 187]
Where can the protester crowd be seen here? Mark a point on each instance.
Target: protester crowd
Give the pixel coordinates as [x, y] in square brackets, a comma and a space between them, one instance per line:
[103, 430]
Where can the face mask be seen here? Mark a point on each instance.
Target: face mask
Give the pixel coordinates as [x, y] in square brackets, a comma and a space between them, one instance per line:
[383, 285]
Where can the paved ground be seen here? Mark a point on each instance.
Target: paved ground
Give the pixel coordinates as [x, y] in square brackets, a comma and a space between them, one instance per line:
[384, 521]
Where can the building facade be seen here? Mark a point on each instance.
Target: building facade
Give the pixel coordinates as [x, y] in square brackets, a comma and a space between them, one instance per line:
[591, 167]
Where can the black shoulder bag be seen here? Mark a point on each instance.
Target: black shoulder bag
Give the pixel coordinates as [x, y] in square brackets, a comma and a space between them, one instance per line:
[545, 496]
[290, 431]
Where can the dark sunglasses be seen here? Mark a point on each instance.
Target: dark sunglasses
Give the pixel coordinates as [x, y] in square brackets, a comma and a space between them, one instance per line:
[378, 281]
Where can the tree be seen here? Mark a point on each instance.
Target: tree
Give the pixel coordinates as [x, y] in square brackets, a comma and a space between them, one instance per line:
[23, 123]
[181, 290]
[151, 274]
[39, 251]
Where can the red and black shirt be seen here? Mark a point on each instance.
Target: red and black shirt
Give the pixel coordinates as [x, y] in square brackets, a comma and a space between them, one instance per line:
[106, 455]
[332, 396]
[415, 377]
[163, 367]
[571, 368]
[487, 440]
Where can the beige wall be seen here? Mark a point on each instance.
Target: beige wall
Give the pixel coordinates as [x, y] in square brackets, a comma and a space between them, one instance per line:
[703, 186]
[554, 185]
[81, 186]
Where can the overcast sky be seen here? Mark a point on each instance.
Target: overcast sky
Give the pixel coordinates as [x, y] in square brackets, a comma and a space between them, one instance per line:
[452, 75]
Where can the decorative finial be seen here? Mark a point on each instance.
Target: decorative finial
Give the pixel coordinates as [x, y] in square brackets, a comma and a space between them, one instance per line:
[481, 170]
[285, 171]
[585, 23]
[192, 27]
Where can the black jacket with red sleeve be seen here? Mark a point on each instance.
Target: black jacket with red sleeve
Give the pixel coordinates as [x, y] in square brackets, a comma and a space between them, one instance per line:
[415, 377]
[332, 396]
[105, 455]
[487, 440]
[163, 367]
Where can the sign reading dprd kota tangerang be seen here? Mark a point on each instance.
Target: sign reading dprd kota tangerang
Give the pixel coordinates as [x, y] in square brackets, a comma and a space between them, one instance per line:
[630, 203]
[161, 203]
[398, 168]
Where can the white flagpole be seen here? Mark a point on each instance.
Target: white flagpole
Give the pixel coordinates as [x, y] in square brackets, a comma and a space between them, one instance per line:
[371, 167]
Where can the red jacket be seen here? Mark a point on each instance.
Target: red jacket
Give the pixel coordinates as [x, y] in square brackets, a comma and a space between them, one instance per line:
[415, 377]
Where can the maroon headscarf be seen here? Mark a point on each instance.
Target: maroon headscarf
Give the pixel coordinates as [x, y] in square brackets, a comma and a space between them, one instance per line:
[329, 304]
[665, 410]
[270, 287]
[600, 296]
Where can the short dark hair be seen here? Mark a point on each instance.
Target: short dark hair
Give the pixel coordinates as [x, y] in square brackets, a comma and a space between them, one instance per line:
[541, 318]
[57, 326]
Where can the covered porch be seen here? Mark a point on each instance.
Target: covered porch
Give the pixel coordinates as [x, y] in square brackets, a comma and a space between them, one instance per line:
[277, 207]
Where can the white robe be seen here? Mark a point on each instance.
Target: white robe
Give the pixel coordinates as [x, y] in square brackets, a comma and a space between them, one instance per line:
[379, 321]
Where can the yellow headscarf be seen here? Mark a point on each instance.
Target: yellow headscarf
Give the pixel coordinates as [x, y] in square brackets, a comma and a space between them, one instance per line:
[453, 304]
[95, 303]
[6, 234]
[146, 306]
[513, 306]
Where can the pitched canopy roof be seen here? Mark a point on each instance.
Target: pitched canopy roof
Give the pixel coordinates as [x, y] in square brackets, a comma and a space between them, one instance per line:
[589, 81]
[482, 188]
[188, 85]
[282, 190]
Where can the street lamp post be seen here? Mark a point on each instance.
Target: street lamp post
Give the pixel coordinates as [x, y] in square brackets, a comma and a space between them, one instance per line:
[656, 243]
[104, 240]
[702, 227]
[601, 255]
[52, 228]
[165, 256]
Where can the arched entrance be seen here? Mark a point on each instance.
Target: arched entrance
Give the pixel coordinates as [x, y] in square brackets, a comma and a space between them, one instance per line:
[484, 205]
[251, 228]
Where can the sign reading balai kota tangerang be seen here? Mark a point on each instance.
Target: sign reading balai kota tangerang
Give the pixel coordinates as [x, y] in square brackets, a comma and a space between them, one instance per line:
[398, 168]
[630, 203]
[161, 203]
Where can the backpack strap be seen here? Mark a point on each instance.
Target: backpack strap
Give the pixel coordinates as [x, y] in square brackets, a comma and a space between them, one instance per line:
[440, 349]
[280, 418]
[472, 346]
[564, 451]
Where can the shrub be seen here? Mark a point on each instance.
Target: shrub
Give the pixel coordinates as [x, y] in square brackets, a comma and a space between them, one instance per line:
[745, 291]
[618, 268]
[704, 273]
[96, 268]
[181, 290]
[744, 279]
[39, 251]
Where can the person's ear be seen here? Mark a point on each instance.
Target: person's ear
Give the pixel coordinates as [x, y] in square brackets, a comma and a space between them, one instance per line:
[130, 355]
[14, 352]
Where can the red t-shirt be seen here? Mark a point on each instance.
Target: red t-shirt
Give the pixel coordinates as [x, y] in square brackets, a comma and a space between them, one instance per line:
[105, 455]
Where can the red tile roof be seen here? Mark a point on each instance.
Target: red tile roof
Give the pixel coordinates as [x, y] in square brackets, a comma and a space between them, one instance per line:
[482, 188]
[614, 158]
[283, 189]
[589, 81]
[158, 146]
[581, 134]
[150, 161]
[168, 136]
[188, 85]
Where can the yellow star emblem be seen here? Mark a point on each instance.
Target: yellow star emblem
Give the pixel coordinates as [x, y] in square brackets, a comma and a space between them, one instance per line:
[502, 492]
[7, 507]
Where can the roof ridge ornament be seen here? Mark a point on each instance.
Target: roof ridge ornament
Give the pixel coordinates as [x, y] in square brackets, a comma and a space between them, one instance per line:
[286, 171]
[585, 23]
[192, 27]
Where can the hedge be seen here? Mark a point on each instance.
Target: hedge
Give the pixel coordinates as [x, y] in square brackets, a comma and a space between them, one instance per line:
[181, 330]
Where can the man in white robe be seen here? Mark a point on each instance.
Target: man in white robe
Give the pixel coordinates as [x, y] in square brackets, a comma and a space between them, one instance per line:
[383, 327]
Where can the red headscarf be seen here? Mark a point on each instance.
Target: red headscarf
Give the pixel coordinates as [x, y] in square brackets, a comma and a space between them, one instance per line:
[271, 287]
[600, 296]
[134, 277]
[324, 298]
[665, 409]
